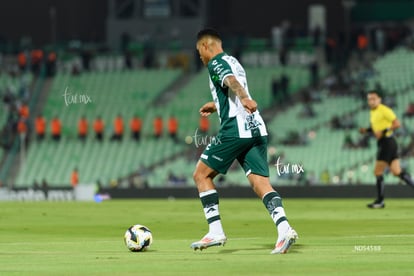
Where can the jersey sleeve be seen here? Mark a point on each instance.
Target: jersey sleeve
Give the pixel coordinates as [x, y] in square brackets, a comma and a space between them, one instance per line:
[219, 69]
[389, 115]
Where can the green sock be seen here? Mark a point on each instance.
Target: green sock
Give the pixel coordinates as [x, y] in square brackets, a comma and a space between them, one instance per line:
[273, 203]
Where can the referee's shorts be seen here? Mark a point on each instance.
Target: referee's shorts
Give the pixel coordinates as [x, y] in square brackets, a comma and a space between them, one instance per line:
[387, 149]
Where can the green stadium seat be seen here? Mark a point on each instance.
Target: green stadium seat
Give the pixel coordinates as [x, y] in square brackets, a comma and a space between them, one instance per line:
[126, 92]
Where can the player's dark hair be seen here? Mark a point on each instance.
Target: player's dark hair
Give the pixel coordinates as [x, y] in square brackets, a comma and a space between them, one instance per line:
[208, 32]
[379, 94]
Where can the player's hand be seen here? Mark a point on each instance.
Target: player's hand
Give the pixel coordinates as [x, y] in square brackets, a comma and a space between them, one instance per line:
[379, 134]
[362, 130]
[207, 109]
[249, 104]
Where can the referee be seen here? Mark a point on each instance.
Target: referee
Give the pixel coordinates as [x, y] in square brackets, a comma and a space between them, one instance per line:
[383, 123]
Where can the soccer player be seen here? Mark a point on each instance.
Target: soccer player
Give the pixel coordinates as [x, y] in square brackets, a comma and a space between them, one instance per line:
[242, 136]
[383, 123]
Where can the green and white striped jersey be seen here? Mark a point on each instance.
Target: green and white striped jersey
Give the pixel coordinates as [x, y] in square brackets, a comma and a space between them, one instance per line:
[235, 121]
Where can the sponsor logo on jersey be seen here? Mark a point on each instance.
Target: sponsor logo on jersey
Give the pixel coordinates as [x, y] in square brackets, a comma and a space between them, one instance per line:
[251, 122]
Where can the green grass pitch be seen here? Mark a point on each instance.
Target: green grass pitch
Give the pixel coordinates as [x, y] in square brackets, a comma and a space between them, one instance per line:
[337, 237]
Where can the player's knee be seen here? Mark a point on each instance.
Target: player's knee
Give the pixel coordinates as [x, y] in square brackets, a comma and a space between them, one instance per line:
[378, 172]
[201, 176]
[197, 176]
[396, 172]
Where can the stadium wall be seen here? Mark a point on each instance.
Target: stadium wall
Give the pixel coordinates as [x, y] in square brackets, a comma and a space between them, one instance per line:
[360, 191]
[86, 193]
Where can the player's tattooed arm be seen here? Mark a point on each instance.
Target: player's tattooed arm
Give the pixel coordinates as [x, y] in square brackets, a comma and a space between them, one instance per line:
[235, 86]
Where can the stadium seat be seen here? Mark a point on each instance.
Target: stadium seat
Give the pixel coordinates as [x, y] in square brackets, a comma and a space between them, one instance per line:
[126, 92]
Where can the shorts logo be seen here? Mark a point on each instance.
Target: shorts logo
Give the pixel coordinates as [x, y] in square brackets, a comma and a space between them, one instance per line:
[217, 158]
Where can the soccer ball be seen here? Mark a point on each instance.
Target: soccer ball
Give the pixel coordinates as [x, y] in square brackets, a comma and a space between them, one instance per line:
[138, 238]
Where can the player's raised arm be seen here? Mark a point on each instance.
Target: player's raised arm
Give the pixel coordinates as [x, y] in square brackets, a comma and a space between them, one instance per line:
[235, 86]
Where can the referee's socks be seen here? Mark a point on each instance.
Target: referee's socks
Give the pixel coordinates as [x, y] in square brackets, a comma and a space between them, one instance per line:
[405, 176]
